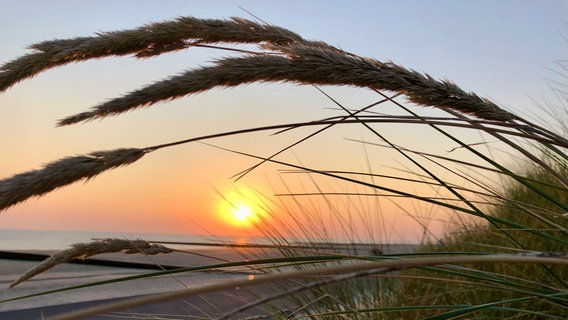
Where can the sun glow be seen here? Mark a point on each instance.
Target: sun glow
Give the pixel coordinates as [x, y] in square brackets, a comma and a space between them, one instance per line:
[240, 211]
[243, 213]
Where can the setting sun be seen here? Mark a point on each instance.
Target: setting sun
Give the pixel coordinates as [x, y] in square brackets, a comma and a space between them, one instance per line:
[240, 211]
[243, 212]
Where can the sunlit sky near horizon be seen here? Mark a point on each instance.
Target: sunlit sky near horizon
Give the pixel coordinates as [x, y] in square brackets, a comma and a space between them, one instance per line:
[502, 50]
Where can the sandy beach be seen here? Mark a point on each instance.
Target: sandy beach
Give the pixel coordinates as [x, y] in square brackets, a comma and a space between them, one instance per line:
[210, 305]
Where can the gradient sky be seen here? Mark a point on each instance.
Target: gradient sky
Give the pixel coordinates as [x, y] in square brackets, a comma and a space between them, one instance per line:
[502, 50]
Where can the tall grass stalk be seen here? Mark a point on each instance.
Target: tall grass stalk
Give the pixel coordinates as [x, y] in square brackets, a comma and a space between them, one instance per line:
[505, 256]
[345, 272]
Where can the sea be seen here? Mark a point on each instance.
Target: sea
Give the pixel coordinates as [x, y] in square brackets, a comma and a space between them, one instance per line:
[39, 240]
[43, 240]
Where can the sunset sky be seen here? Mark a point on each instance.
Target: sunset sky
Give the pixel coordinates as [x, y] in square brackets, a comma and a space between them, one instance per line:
[502, 50]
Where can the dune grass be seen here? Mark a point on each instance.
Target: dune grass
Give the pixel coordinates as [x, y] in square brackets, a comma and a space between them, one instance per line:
[537, 289]
[506, 259]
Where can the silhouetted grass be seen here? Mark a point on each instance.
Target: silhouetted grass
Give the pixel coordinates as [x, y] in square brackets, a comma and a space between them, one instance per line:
[506, 259]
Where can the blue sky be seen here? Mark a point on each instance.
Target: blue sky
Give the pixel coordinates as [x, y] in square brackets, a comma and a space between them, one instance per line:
[482, 45]
[502, 50]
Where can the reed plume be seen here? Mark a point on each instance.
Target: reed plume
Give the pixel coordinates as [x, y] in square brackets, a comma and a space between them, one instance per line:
[83, 251]
[143, 42]
[298, 60]
[305, 64]
[62, 172]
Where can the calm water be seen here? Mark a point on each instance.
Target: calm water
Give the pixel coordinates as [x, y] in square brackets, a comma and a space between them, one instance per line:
[12, 239]
[31, 240]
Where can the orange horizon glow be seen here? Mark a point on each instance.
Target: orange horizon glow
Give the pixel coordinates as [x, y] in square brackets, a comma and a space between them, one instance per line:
[183, 204]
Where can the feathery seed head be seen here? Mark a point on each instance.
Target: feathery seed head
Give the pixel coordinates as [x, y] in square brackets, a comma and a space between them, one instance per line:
[143, 42]
[23, 186]
[85, 250]
[304, 64]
